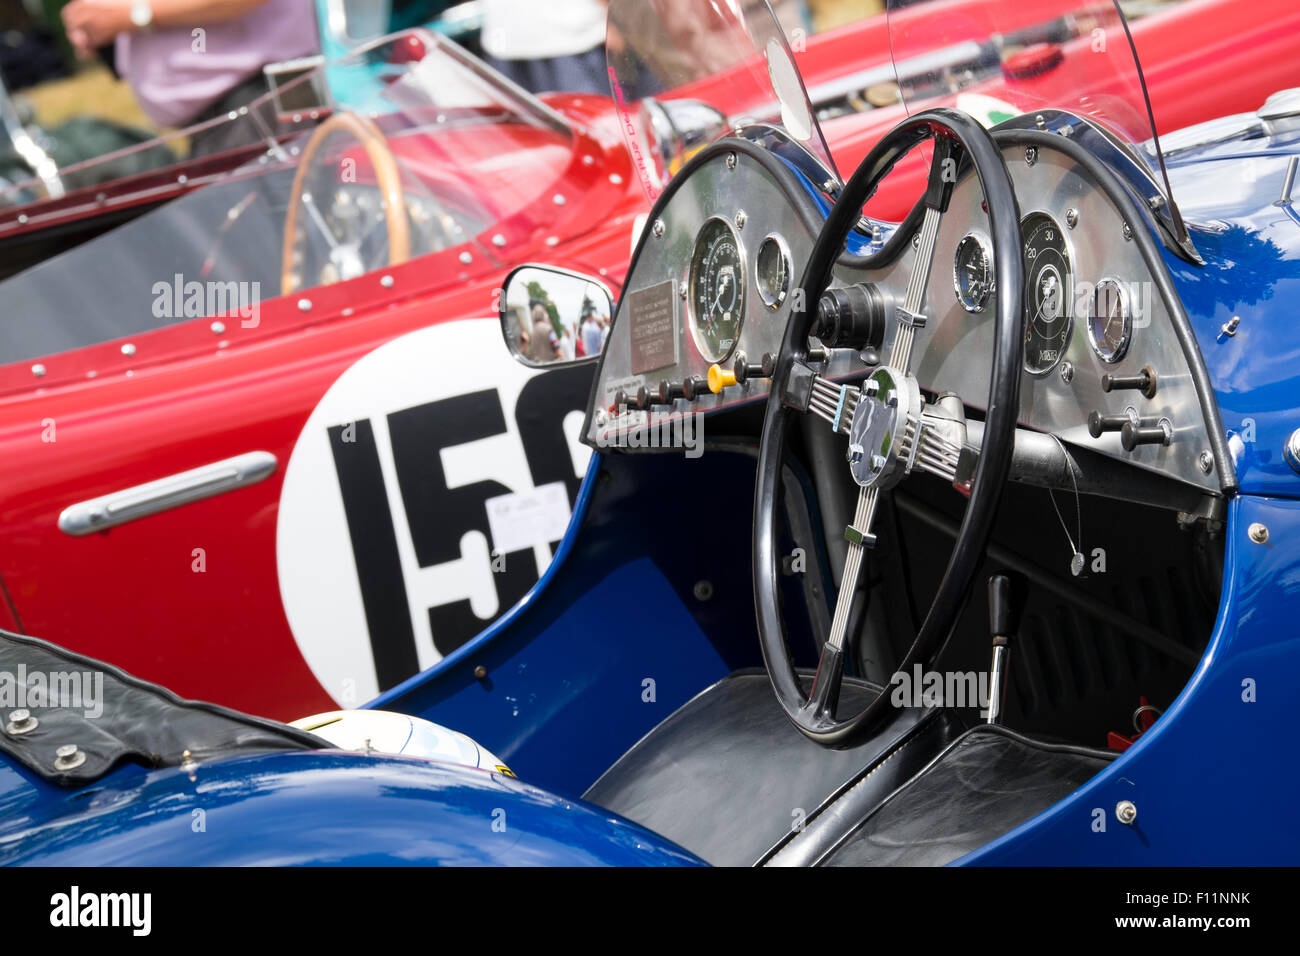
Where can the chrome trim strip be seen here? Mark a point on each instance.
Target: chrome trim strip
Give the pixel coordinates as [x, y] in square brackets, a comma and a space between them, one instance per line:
[87, 517]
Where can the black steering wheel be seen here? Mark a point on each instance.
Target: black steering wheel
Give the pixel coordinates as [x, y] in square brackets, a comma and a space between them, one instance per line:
[890, 432]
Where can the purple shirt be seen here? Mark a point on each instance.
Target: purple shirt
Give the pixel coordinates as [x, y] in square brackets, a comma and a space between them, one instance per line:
[176, 75]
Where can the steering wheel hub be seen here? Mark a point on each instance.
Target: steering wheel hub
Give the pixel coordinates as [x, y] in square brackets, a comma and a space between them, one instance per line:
[877, 435]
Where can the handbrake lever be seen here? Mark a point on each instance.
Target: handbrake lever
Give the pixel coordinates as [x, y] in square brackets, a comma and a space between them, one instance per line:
[1006, 603]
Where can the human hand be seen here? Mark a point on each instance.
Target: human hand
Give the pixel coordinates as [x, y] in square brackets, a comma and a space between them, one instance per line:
[91, 24]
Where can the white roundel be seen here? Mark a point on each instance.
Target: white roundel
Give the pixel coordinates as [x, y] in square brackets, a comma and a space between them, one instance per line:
[410, 504]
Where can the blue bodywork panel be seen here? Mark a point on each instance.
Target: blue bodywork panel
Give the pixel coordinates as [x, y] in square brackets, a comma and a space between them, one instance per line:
[313, 808]
[1252, 245]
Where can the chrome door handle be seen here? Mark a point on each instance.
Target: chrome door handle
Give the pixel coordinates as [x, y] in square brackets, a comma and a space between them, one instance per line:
[87, 517]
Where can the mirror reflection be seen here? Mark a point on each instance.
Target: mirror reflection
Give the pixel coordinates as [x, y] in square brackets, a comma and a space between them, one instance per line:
[551, 316]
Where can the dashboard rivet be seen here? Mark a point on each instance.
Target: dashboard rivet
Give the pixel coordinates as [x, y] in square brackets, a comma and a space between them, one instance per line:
[1040, 121]
[703, 590]
[1128, 233]
[386, 281]
[128, 349]
[1071, 217]
[304, 305]
[480, 672]
[741, 219]
[38, 370]
[1126, 812]
[558, 199]
[731, 160]
[218, 328]
[466, 258]
[657, 230]
[1205, 461]
[1258, 533]
[498, 240]
[1031, 155]
[1067, 373]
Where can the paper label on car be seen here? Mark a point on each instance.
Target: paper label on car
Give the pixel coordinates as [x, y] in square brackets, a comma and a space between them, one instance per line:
[527, 519]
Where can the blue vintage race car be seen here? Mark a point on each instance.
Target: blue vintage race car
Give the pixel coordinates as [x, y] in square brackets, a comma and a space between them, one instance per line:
[965, 538]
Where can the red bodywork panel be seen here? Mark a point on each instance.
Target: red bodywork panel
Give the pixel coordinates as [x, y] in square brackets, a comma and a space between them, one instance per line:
[132, 595]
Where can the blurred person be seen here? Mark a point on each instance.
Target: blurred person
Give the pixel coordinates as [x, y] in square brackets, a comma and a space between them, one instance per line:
[591, 330]
[544, 344]
[547, 45]
[182, 76]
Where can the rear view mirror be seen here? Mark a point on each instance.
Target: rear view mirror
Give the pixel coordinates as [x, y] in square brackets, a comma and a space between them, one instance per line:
[552, 316]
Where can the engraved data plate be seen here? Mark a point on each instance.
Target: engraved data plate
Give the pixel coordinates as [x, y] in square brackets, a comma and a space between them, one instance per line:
[652, 318]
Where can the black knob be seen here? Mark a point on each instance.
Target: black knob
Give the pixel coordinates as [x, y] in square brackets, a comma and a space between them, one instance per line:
[1144, 382]
[852, 317]
[744, 370]
[1131, 436]
[665, 393]
[1099, 423]
[694, 387]
[1006, 602]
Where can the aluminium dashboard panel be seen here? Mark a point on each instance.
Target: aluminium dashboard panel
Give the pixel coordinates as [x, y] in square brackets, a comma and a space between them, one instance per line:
[652, 340]
[656, 335]
[954, 351]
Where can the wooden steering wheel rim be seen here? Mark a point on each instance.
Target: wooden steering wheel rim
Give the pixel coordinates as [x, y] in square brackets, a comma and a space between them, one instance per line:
[390, 185]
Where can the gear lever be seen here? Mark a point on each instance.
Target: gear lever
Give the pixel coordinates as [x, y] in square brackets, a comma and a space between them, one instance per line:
[1006, 602]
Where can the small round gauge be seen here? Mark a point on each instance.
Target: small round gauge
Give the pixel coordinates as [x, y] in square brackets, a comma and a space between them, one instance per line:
[972, 273]
[772, 271]
[1110, 326]
[1049, 293]
[717, 290]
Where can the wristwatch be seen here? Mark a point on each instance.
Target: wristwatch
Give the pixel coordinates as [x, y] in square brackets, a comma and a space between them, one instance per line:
[141, 14]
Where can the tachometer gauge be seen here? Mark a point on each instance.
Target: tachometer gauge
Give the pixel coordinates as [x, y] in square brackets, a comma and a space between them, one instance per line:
[972, 273]
[1110, 326]
[717, 290]
[1049, 293]
[772, 271]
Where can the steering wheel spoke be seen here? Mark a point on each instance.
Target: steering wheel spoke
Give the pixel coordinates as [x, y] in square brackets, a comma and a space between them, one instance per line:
[834, 403]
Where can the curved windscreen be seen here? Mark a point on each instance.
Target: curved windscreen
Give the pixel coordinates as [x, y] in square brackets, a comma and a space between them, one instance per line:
[1000, 59]
[674, 64]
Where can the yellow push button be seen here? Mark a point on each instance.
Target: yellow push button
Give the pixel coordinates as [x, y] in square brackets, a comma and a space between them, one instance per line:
[720, 378]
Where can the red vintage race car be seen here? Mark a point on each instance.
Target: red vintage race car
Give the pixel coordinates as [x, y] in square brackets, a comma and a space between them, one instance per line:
[275, 411]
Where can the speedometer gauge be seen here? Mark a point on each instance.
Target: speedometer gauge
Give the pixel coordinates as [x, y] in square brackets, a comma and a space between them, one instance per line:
[1110, 326]
[1049, 293]
[717, 290]
[972, 273]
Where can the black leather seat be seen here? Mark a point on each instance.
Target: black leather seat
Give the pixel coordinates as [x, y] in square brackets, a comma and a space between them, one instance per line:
[728, 777]
[986, 783]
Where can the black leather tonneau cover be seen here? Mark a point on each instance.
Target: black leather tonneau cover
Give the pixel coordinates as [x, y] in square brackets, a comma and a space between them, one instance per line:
[108, 716]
